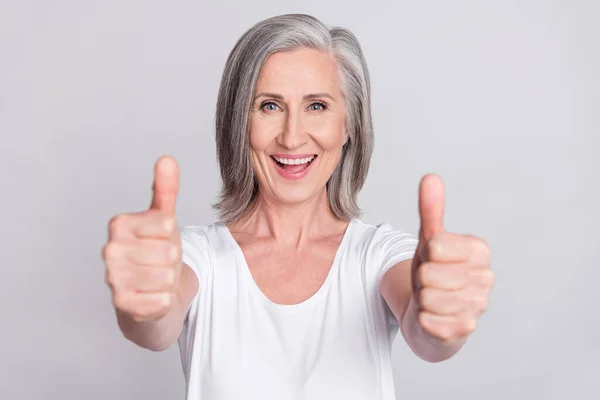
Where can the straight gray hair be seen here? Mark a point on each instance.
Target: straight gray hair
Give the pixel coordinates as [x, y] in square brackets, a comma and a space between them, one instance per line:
[287, 33]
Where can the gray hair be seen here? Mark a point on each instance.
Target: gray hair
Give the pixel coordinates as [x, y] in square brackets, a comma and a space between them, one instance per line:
[286, 33]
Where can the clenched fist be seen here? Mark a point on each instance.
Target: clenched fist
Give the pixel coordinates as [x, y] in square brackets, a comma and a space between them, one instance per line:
[450, 273]
[143, 251]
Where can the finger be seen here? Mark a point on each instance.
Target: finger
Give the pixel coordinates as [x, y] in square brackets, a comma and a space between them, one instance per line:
[120, 227]
[149, 252]
[443, 276]
[480, 250]
[431, 206]
[454, 276]
[452, 302]
[154, 224]
[142, 279]
[482, 277]
[449, 247]
[452, 247]
[143, 306]
[166, 185]
[446, 327]
[145, 225]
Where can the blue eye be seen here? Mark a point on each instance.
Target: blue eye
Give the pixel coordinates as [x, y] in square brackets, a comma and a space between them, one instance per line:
[317, 107]
[269, 106]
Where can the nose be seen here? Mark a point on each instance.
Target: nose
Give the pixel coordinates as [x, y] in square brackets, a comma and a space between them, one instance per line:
[294, 133]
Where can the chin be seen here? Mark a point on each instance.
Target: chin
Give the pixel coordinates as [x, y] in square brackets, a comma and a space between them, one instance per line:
[295, 195]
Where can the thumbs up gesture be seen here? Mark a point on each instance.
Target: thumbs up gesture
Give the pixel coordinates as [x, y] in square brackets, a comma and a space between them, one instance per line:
[143, 251]
[451, 277]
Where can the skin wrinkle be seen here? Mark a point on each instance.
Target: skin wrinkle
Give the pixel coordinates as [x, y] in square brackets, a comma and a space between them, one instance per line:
[235, 107]
[289, 235]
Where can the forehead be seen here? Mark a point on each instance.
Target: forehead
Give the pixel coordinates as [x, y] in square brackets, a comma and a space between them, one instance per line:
[302, 70]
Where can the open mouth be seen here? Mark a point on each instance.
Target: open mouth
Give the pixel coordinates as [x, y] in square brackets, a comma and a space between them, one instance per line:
[294, 165]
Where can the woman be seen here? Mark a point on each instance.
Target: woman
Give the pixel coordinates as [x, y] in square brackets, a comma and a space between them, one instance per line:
[289, 295]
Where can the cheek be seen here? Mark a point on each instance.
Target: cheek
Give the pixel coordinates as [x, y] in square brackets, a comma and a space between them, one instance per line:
[331, 134]
[262, 132]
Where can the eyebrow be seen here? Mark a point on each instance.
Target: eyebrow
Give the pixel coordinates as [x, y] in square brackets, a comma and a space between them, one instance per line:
[309, 96]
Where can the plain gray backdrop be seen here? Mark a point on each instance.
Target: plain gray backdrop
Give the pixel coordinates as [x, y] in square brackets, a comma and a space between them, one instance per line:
[501, 98]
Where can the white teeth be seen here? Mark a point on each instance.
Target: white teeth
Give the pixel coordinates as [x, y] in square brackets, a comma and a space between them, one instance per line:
[293, 161]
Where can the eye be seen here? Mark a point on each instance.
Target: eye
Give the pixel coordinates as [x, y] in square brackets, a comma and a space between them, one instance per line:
[317, 107]
[269, 106]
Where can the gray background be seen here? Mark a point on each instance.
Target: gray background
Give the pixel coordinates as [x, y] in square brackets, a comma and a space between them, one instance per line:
[501, 98]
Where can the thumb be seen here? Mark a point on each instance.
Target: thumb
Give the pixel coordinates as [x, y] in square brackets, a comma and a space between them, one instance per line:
[166, 185]
[431, 206]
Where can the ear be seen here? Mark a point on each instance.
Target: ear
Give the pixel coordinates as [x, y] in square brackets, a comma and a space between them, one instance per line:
[346, 137]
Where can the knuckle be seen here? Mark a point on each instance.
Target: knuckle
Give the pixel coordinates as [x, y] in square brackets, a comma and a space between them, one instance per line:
[442, 331]
[140, 315]
[485, 303]
[481, 246]
[170, 223]
[481, 303]
[425, 297]
[110, 278]
[168, 300]
[137, 317]
[115, 224]
[423, 273]
[162, 303]
[103, 252]
[170, 277]
[469, 324]
[477, 247]
[447, 333]
[481, 276]
[120, 300]
[491, 277]
[484, 277]
[110, 251]
[174, 252]
[432, 247]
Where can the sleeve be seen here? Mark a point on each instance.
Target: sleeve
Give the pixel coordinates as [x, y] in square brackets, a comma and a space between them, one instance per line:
[195, 253]
[394, 246]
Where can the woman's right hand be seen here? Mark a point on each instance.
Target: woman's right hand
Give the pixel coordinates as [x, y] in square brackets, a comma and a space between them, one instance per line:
[143, 252]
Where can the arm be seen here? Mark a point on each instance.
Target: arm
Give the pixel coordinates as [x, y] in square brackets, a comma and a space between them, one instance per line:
[148, 266]
[396, 289]
[162, 333]
[439, 295]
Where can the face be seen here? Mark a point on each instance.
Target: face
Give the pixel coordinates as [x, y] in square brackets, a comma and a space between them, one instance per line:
[297, 125]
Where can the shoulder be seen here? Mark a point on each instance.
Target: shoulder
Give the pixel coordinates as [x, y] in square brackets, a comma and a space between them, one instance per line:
[201, 233]
[381, 234]
[194, 236]
[195, 231]
[383, 245]
[211, 240]
[196, 245]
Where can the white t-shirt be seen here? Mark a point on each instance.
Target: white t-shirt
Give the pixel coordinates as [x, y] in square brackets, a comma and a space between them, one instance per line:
[237, 344]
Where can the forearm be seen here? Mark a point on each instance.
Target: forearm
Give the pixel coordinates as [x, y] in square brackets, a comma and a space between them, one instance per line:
[424, 345]
[156, 335]
[163, 332]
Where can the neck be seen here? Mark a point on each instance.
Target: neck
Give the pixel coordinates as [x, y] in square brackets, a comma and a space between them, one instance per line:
[290, 224]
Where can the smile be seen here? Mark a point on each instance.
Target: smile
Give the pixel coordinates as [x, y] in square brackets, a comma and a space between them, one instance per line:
[293, 167]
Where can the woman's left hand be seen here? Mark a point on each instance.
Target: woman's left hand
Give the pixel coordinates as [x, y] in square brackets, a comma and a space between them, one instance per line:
[451, 277]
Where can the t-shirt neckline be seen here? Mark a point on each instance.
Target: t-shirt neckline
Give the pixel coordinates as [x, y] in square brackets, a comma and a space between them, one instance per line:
[289, 307]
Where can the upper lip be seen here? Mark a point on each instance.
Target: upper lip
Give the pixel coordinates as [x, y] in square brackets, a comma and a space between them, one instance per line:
[293, 156]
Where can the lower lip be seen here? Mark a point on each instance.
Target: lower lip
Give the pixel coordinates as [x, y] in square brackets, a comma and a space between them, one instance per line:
[293, 175]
